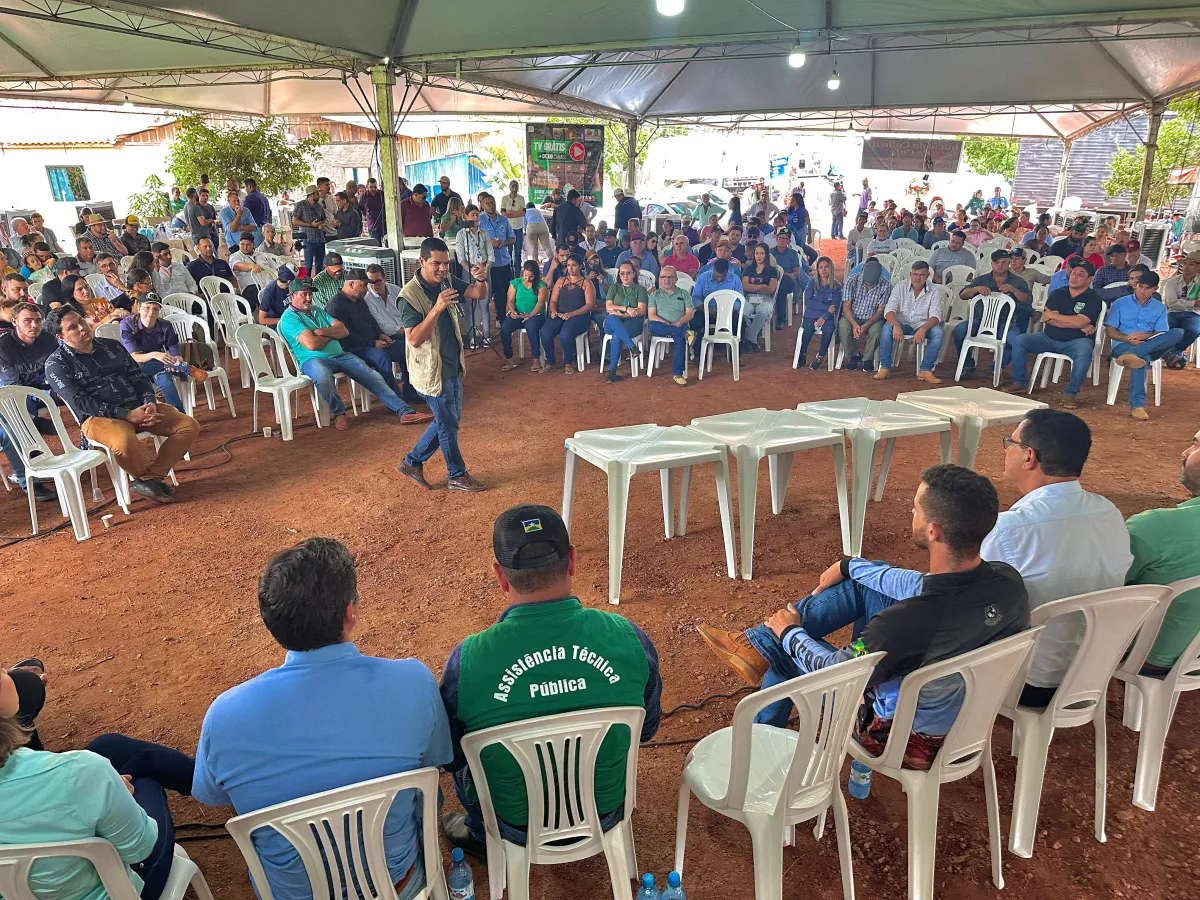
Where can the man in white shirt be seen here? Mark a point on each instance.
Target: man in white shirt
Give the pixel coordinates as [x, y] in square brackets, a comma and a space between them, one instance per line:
[247, 264]
[881, 243]
[1063, 540]
[383, 300]
[110, 288]
[473, 247]
[170, 278]
[914, 308]
[512, 207]
[858, 233]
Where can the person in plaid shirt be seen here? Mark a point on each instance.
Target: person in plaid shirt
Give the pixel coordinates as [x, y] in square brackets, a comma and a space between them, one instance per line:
[863, 297]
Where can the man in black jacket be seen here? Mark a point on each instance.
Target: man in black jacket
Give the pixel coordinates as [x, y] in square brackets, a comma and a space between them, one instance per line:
[568, 222]
[23, 354]
[627, 208]
[365, 339]
[114, 401]
[917, 618]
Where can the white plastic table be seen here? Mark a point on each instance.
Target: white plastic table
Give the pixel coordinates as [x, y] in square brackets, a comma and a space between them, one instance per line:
[776, 434]
[865, 423]
[971, 410]
[627, 451]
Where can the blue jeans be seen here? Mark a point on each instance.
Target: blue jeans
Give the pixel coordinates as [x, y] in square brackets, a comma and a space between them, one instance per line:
[623, 332]
[791, 290]
[960, 335]
[836, 230]
[532, 327]
[321, 370]
[443, 430]
[1080, 351]
[154, 770]
[166, 383]
[514, 834]
[314, 256]
[381, 361]
[679, 334]
[566, 330]
[933, 343]
[846, 603]
[810, 328]
[1189, 323]
[1155, 348]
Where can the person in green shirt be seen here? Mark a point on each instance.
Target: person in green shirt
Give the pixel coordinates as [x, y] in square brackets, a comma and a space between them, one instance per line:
[626, 306]
[526, 310]
[547, 654]
[329, 281]
[670, 310]
[975, 204]
[177, 202]
[1166, 548]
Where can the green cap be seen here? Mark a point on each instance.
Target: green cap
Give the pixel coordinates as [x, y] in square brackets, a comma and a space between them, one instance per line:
[300, 284]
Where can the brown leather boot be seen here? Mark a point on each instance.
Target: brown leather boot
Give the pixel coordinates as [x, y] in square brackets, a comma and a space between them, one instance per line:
[735, 650]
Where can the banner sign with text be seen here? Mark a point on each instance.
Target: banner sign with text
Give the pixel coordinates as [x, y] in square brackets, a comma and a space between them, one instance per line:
[911, 155]
[562, 155]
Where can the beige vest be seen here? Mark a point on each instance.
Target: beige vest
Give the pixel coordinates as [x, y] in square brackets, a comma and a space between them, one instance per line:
[425, 362]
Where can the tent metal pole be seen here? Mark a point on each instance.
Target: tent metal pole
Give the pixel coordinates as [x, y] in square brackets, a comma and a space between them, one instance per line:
[1156, 114]
[631, 168]
[1061, 193]
[383, 79]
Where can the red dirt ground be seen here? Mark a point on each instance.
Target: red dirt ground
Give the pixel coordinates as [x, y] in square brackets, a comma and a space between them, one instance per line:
[144, 625]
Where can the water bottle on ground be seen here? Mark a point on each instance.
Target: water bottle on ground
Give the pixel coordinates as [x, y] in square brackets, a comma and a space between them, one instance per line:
[459, 881]
[859, 784]
[648, 891]
[674, 890]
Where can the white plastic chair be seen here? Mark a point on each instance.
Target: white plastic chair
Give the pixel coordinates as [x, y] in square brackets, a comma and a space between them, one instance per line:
[906, 244]
[887, 260]
[1050, 263]
[986, 673]
[35, 290]
[338, 835]
[281, 387]
[646, 279]
[187, 303]
[938, 245]
[658, 353]
[184, 325]
[956, 278]
[563, 825]
[723, 331]
[1059, 359]
[635, 359]
[1112, 619]
[16, 860]
[684, 281]
[1031, 257]
[770, 778]
[109, 330]
[1116, 370]
[991, 337]
[230, 311]
[210, 286]
[1150, 702]
[65, 469]
[94, 281]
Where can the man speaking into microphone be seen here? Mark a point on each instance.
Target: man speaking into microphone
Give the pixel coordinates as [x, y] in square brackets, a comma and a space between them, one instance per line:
[430, 313]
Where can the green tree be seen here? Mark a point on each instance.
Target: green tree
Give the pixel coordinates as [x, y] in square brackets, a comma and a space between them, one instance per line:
[504, 165]
[261, 150]
[153, 201]
[1178, 147]
[616, 147]
[992, 155]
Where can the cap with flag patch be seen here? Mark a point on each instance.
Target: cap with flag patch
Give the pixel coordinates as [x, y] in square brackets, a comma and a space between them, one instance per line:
[529, 536]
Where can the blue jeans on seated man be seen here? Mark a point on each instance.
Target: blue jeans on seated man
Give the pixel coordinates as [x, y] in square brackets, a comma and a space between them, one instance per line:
[1189, 323]
[381, 362]
[846, 603]
[464, 789]
[164, 380]
[321, 370]
[442, 432]
[791, 290]
[1080, 350]
[960, 335]
[1155, 348]
[623, 331]
[678, 333]
[888, 346]
[566, 330]
[532, 326]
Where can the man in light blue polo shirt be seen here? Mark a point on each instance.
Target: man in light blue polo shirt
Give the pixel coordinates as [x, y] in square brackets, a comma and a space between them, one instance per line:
[1137, 324]
[502, 236]
[327, 718]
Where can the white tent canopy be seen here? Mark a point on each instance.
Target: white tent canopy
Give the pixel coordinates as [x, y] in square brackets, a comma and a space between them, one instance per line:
[1047, 68]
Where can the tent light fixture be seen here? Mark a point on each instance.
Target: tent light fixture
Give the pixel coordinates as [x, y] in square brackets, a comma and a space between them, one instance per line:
[128, 104]
[835, 80]
[867, 134]
[669, 7]
[797, 57]
[386, 60]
